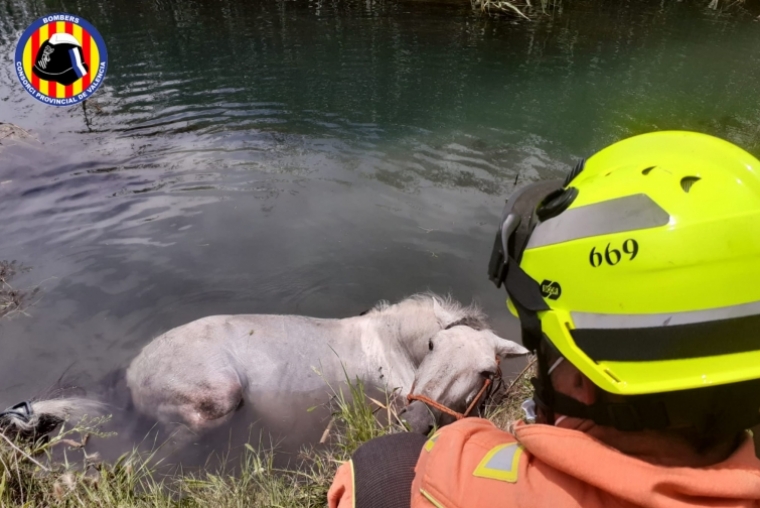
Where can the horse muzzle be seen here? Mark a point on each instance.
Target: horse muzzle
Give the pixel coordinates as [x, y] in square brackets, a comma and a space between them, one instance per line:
[419, 417]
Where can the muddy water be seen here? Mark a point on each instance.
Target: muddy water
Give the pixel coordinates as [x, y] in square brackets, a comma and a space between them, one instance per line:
[315, 157]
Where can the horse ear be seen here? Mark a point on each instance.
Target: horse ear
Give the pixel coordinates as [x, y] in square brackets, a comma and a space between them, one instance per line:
[506, 348]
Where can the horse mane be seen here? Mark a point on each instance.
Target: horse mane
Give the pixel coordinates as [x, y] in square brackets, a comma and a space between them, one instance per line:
[471, 315]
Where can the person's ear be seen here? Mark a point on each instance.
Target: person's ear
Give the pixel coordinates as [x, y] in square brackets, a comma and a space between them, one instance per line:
[570, 381]
[586, 389]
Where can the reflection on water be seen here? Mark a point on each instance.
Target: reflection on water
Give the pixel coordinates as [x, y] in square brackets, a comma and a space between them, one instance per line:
[315, 157]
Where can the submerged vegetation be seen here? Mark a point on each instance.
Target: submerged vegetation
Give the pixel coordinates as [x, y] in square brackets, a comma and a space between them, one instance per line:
[531, 9]
[59, 471]
[521, 8]
[12, 299]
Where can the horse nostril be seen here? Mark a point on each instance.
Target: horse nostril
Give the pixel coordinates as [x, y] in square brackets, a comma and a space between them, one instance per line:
[488, 374]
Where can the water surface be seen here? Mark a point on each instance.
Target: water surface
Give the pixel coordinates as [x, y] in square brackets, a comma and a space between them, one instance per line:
[314, 157]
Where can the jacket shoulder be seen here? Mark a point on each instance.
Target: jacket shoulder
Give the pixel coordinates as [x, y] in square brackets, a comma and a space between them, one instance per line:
[466, 464]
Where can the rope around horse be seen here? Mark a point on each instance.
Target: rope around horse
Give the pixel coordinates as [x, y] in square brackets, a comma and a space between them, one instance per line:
[440, 407]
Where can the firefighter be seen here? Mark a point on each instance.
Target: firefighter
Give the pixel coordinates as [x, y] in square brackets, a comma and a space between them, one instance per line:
[637, 284]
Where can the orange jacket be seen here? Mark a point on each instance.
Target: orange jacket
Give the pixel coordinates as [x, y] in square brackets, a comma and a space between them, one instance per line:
[473, 464]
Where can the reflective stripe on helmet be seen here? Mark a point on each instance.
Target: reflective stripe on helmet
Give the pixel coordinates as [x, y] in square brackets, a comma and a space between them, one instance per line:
[670, 342]
[612, 216]
[76, 62]
[593, 320]
[668, 336]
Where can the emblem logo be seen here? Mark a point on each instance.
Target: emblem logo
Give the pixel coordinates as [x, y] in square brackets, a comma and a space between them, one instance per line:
[61, 60]
[551, 290]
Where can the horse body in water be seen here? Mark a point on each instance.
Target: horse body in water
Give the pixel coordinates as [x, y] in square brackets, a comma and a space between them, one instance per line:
[195, 376]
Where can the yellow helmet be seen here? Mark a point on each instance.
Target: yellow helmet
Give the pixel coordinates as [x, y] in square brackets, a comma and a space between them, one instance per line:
[643, 267]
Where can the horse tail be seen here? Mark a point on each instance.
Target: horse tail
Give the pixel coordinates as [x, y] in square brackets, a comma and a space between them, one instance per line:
[34, 419]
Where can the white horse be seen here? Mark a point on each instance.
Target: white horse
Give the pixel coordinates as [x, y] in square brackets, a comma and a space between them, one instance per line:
[194, 377]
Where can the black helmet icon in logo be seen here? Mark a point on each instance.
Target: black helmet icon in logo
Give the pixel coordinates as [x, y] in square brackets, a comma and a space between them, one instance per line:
[60, 59]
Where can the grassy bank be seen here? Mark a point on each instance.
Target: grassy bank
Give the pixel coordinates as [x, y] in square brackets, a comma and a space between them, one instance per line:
[30, 478]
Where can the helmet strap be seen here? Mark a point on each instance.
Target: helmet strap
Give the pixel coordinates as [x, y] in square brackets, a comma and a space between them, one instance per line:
[544, 394]
[525, 295]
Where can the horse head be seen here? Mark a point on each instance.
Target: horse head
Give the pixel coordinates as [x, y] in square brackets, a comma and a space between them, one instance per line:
[455, 375]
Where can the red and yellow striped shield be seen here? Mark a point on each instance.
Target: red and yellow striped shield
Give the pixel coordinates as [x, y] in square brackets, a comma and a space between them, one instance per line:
[87, 61]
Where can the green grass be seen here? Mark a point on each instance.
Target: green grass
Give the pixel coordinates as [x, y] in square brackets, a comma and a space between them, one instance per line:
[30, 477]
[357, 417]
[509, 409]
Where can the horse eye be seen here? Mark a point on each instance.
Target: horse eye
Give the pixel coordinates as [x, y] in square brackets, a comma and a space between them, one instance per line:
[430, 344]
